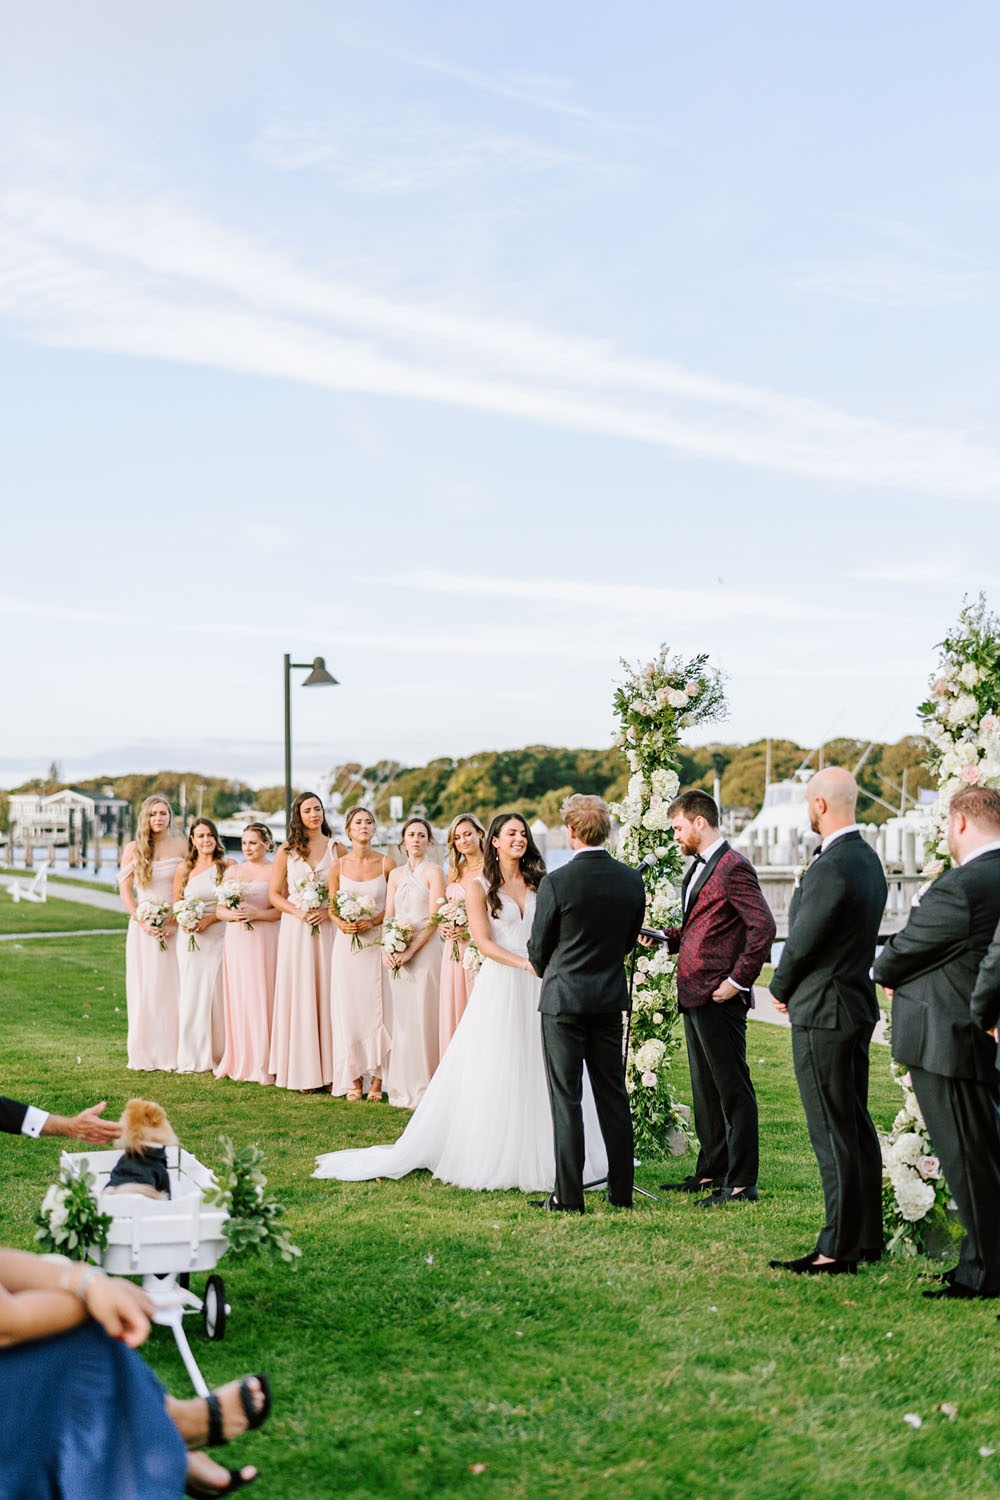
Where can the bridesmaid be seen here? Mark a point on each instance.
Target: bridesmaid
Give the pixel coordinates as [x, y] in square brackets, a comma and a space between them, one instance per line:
[414, 891]
[200, 1037]
[361, 1006]
[301, 1050]
[249, 962]
[148, 864]
[466, 837]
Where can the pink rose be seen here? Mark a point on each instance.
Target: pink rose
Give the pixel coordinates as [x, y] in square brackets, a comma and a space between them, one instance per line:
[649, 670]
[940, 687]
[929, 1166]
[989, 723]
[970, 773]
[649, 1080]
[692, 688]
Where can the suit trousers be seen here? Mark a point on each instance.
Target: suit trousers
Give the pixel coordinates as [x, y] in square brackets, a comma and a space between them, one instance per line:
[963, 1121]
[569, 1041]
[722, 1092]
[831, 1069]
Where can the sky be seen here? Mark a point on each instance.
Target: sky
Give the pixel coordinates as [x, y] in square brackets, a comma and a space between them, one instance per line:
[475, 348]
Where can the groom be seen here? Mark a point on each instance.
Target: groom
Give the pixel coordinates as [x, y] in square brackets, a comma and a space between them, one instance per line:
[587, 919]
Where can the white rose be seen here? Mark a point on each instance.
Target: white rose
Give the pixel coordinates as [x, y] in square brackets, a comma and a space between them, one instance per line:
[909, 1148]
[677, 698]
[915, 1200]
[657, 1018]
[649, 1080]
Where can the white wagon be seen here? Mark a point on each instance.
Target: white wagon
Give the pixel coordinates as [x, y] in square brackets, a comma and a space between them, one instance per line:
[164, 1242]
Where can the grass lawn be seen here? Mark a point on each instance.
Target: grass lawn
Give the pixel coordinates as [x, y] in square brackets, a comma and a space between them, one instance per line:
[429, 1331]
[55, 916]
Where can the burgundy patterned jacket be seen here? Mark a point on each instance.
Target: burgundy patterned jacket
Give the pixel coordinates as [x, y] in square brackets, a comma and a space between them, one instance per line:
[727, 932]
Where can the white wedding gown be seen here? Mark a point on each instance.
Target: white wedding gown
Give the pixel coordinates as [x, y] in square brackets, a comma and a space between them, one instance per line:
[484, 1121]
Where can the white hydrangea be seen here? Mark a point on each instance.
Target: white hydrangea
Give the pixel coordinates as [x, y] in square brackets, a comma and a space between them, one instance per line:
[666, 784]
[909, 1148]
[656, 818]
[914, 1197]
[969, 675]
[963, 710]
[650, 1054]
[637, 787]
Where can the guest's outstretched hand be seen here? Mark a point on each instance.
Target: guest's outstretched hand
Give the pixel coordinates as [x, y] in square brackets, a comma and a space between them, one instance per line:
[88, 1125]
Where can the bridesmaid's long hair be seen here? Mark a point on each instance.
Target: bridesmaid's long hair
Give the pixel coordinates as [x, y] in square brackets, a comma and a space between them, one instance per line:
[144, 838]
[218, 853]
[531, 862]
[456, 861]
[298, 834]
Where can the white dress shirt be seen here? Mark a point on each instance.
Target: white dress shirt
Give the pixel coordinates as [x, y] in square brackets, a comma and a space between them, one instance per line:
[838, 833]
[34, 1121]
[983, 849]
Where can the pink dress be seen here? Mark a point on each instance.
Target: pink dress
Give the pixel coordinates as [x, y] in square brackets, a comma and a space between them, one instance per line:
[249, 965]
[415, 1005]
[361, 1004]
[151, 980]
[199, 1000]
[301, 1050]
[456, 982]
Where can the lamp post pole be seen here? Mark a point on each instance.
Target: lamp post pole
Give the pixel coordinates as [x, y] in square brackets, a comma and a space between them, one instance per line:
[318, 677]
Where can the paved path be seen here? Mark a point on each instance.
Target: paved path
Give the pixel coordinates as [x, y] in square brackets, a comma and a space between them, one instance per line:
[766, 1010]
[22, 937]
[103, 899]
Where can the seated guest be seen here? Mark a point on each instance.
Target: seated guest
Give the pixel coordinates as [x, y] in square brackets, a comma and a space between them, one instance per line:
[83, 1416]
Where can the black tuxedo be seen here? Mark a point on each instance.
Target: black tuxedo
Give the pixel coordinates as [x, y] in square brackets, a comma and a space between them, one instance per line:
[943, 1000]
[12, 1116]
[587, 919]
[824, 978]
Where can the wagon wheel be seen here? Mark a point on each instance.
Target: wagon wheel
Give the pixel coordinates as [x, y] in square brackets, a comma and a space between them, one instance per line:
[214, 1308]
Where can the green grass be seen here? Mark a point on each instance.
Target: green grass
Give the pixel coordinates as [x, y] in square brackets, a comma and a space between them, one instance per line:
[428, 1330]
[55, 916]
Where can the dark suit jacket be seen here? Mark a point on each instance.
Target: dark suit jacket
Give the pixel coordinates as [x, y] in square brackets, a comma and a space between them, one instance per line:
[824, 976]
[932, 966]
[727, 931]
[12, 1116]
[587, 918]
[985, 1005]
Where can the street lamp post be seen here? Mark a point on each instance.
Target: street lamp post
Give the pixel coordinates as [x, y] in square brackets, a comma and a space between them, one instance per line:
[318, 677]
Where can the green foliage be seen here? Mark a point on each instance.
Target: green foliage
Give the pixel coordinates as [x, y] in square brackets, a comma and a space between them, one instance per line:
[69, 1220]
[253, 1222]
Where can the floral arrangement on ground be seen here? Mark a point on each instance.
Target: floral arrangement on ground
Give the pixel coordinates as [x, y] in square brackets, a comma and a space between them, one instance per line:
[652, 705]
[961, 719]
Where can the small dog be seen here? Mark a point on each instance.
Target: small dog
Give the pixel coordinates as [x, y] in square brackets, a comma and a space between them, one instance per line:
[142, 1166]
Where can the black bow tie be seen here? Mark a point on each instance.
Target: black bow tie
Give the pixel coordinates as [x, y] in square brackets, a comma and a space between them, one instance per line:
[817, 852]
[698, 859]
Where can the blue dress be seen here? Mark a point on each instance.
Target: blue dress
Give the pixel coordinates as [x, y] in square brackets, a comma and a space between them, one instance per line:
[82, 1418]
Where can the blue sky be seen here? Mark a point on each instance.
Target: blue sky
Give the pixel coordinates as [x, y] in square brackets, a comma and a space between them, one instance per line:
[475, 347]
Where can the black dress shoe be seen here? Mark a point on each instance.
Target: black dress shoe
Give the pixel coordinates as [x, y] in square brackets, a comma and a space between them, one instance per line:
[726, 1195]
[806, 1265]
[871, 1256]
[553, 1206]
[690, 1185]
[615, 1202]
[957, 1291]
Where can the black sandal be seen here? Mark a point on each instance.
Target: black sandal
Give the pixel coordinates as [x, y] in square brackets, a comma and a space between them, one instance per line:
[202, 1491]
[216, 1429]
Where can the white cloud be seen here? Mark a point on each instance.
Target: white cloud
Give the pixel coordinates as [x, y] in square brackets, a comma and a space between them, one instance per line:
[412, 157]
[151, 279]
[894, 282]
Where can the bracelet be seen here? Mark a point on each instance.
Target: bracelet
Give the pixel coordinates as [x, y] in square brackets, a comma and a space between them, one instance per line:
[83, 1281]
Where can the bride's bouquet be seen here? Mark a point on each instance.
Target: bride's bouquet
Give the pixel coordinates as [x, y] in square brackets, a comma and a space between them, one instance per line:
[453, 914]
[353, 907]
[472, 959]
[154, 914]
[231, 897]
[307, 895]
[396, 937]
[189, 913]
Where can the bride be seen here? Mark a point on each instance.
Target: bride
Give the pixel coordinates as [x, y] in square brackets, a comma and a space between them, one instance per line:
[484, 1121]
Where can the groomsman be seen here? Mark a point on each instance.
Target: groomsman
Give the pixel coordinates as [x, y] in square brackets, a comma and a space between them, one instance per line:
[939, 1015]
[723, 943]
[824, 983]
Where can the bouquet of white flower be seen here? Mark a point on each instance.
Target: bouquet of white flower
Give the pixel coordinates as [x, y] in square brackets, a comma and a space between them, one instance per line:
[189, 913]
[396, 937]
[353, 907]
[69, 1219]
[472, 959]
[309, 894]
[453, 914]
[154, 914]
[231, 897]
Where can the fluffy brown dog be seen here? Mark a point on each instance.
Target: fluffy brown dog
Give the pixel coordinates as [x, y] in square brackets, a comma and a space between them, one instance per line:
[142, 1166]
